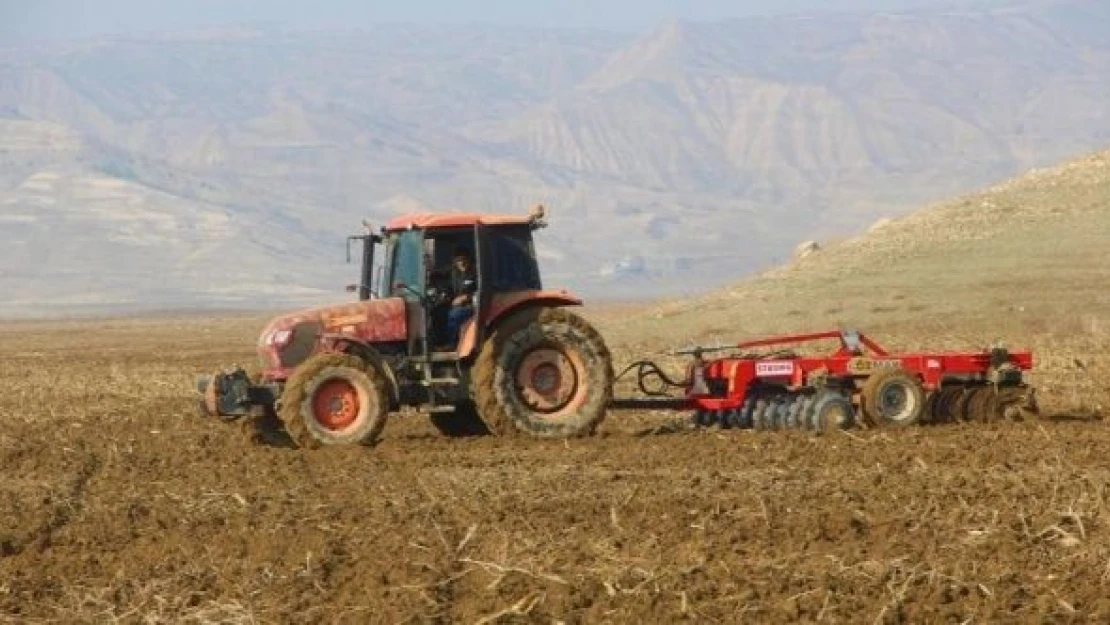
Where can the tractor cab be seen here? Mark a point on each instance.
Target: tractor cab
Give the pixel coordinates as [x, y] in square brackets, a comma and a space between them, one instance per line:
[454, 272]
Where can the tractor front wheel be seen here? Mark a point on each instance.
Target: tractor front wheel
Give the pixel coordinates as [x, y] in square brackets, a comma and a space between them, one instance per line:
[334, 399]
[545, 372]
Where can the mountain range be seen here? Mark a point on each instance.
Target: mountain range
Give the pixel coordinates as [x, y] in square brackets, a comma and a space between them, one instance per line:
[226, 167]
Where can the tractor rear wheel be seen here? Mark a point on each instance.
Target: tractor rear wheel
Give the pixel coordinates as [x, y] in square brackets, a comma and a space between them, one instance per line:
[334, 399]
[545, 372]
[893, 397]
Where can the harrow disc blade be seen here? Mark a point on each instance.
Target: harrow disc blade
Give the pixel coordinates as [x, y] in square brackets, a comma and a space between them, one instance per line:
[929, 415]
[775, 411]
[961, 409]
[733, 418]
[701, 418]
[723, 418]
[981, 404]
[745, 413]
[759, 420]
[945, 410]
[1018, 404]
[797, 413]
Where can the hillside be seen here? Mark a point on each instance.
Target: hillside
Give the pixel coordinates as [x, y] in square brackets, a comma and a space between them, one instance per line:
[674, 160]
[1025, 261]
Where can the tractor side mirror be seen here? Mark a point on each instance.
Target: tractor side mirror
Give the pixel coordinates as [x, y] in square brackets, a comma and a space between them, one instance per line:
[426, 298]
[401, 286]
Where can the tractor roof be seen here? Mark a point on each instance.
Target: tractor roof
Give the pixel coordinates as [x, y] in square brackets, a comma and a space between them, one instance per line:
[452, 220]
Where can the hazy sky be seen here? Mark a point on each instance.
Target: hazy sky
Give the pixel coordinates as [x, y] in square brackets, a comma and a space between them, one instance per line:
[39, 19]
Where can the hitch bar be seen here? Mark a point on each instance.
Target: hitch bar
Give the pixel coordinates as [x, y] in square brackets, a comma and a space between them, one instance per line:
[231, 394]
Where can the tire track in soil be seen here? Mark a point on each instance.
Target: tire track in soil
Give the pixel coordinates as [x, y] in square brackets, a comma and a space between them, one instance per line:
[62, 513]
[65, 511]
[448, 571]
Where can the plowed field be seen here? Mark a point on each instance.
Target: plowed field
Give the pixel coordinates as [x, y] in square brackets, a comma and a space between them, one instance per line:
[118, 502]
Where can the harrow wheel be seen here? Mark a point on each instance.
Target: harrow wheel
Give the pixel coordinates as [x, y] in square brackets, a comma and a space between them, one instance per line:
[334, 399]
[831, 411]
[545, 372]
[893, 397]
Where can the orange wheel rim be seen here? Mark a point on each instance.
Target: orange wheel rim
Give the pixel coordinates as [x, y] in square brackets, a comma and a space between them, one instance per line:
[335, 404]
[550, 382]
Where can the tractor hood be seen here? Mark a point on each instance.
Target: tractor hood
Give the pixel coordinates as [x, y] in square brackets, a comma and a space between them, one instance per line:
[289, 339]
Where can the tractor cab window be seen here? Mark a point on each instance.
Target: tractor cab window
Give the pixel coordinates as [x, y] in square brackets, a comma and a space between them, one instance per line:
[512, 262]
[407, 266]
[443, 244]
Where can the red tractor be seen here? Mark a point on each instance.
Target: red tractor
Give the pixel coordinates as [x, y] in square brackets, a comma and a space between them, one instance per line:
[519, 361]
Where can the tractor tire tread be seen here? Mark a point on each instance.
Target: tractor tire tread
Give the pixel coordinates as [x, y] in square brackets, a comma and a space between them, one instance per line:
[295, 394]
[502, 413]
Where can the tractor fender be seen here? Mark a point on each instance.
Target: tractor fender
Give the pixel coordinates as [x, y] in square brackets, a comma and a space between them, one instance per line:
[504, 305]
[343, 343]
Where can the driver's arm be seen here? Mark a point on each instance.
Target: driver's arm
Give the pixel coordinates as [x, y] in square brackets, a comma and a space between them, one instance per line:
[469, 286]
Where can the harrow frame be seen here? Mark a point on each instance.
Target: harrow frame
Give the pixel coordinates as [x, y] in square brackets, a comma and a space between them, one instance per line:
[730, 389]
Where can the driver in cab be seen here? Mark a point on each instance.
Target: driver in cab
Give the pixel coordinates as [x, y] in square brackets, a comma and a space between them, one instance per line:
[463, 286]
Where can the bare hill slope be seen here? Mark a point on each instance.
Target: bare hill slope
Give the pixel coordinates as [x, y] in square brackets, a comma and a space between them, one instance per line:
[1025, 261]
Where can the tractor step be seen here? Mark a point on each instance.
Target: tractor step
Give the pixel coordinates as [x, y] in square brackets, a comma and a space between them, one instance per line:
[441, 382]
[443, 408]
[437, 357]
